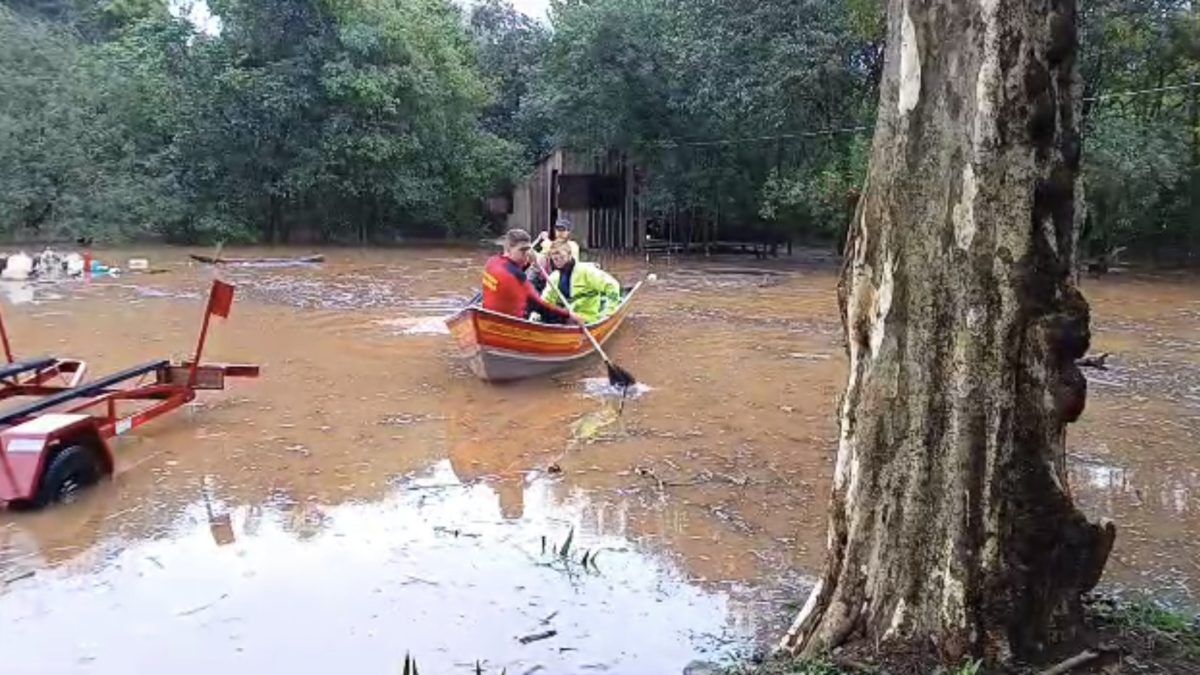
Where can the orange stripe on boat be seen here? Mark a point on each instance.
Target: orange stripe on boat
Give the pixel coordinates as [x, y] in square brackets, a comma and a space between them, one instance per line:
[532, 336]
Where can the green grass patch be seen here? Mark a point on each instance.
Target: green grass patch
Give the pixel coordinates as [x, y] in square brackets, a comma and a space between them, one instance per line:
[1145, 618]
[788, 667]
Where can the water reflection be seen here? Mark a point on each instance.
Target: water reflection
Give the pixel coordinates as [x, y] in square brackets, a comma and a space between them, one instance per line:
[18, 292]
[1174, 492]
[438, 569]
[1099, 476]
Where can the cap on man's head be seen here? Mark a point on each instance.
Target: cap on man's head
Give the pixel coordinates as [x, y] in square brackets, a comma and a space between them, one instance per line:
[514, 238]
[563, 224]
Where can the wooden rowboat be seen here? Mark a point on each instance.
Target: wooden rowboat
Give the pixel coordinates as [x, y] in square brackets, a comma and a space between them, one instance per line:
[303, 260]
[499, 347]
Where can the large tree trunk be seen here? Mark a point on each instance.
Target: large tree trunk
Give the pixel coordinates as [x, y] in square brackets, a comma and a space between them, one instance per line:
[951, 521]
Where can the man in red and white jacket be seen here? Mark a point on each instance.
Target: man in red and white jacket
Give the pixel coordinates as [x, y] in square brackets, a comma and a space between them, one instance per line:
[505, 288]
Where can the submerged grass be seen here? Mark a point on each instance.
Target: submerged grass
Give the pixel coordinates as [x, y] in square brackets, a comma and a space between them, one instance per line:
[561, 555]
[819, 666]
[1138, 630]
[1151, 624]
[1155, 633]
[410, 667]
[808, 666]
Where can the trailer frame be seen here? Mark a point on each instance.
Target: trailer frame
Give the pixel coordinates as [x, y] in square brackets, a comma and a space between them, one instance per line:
[57, 443]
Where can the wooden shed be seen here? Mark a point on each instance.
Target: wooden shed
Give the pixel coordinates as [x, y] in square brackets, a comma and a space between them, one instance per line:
[598, 192]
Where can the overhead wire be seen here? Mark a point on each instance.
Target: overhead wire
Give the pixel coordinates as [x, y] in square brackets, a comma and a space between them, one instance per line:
[817, 133]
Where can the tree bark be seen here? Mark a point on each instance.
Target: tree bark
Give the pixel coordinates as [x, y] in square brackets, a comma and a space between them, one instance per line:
[951, 523]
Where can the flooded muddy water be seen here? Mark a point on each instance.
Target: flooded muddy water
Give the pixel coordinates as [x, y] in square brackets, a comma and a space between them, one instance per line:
[367, 497]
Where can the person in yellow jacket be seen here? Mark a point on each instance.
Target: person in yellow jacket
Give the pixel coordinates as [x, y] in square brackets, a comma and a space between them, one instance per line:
[592, 292]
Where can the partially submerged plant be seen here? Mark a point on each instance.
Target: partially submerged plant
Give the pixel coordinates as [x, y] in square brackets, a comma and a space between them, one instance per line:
[1158, 623]
[562, 555]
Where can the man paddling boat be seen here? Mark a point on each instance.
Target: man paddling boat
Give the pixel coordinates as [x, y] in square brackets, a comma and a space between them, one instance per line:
[505, 287]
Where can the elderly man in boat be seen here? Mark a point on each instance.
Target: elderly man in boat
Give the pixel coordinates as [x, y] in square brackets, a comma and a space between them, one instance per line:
[506, 289]
[588, 290]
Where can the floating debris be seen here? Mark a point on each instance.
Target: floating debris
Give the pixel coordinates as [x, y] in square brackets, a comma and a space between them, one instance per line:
[537, 637]
[19, 576]
[407, 419]
[809, 357]
[201, 608]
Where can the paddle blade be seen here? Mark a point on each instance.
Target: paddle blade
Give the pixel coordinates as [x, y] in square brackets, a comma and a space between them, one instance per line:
[619, 377]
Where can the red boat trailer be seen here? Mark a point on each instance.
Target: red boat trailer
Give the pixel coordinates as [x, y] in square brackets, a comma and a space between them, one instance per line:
[58, 443]
[39, 376]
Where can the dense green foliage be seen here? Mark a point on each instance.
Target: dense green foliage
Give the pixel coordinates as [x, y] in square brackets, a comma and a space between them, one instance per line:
[707, 96]
[511, 49]
[366, 120]
[85, 130]
[332, 119]
[760, 77]
[1142, 148]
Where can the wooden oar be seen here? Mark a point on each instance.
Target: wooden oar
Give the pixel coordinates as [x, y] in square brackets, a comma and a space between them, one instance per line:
[617, 376]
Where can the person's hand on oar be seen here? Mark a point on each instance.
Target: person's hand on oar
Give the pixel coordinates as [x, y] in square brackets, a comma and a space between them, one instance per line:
[617, 376]
[574, 318]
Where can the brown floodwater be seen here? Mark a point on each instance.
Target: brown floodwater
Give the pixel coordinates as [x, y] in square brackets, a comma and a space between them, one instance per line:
[367, 497]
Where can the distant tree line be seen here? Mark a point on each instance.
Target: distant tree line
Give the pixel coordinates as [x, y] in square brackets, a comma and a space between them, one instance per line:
[372, 120]
[339, 119]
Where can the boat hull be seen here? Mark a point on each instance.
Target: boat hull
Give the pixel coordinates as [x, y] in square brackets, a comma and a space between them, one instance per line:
[501, 348]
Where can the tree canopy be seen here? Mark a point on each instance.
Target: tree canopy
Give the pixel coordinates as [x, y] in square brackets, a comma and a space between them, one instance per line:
[369, 120]
[336, 118]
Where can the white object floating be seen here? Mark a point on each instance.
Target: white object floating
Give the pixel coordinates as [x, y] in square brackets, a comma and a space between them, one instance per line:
[18, 267]
[138, 264]
[74, 263]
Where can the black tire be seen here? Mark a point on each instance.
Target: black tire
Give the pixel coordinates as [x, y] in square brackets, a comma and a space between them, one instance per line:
[71, 470]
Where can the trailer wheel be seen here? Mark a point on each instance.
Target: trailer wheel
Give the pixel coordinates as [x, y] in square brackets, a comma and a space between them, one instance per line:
[70, 471]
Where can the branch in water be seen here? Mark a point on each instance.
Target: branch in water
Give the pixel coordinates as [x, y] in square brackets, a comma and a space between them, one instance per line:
[1096, 361]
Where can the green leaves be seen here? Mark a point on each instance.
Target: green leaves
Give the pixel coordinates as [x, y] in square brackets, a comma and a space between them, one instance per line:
[85, 129]
[653, 75]
[371, 119]
[349, 119]
[511, 51]
[1141, 152]
[566, 547]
